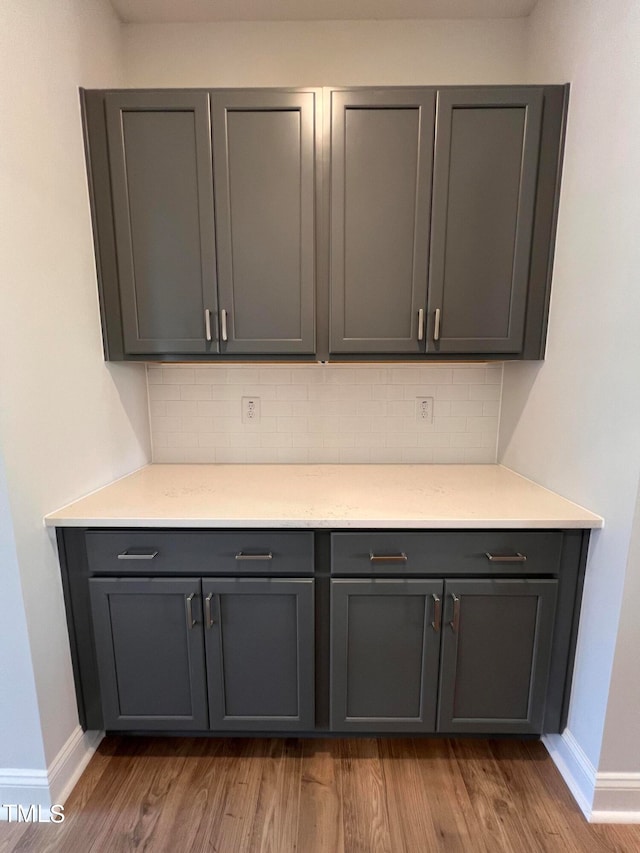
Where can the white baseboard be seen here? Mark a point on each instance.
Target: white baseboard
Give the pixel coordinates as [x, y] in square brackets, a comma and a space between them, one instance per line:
[617, 798]
[44, 788]
[70, 763]
[602, 797]
[575, 768]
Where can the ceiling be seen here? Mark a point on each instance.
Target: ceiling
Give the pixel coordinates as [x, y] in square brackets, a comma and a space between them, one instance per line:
[195, 11]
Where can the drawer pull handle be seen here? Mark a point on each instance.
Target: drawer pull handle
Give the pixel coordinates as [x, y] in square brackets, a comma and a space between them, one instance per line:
[437, 612]
[506, 558]
[241, 556]
[207, 610]
[388, 558]
[127, 556]
[190, 620]
[455, 622]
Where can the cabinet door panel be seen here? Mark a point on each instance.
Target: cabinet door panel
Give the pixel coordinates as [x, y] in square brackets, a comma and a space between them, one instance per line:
[264, 150]
[381, 153]
[260, 653]
[384, 655]
[484, 184]
[161, 178]
[495, 663]
[150, 657]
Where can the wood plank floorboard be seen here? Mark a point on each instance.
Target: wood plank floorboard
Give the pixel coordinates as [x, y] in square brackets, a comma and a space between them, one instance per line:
[352, 795]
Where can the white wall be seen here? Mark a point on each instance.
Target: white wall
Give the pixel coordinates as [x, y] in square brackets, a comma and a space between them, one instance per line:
[572, 422]
[68, 422]
[18, 700]
[323, 53]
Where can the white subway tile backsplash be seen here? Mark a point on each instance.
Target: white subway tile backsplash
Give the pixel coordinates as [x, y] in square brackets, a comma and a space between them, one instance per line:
[324, 413]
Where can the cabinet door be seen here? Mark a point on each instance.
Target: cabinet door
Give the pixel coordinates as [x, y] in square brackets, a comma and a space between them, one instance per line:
[381, 160]
[161, 180]
[148, 635]
[259, 637]
[484, 184]
[496, 650]
[385, 640]
[264, 156]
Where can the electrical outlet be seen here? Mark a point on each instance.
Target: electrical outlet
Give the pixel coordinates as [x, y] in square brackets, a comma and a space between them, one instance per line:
[424, 410]
[250, 410]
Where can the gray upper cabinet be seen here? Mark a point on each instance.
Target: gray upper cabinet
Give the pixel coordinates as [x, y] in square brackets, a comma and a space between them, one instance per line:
[385, 641]
[496, 651]
[259, 636]
[264, 178]
[484, 192]
[148, 636]
[160, 165]
[381, 156]
[413, 222]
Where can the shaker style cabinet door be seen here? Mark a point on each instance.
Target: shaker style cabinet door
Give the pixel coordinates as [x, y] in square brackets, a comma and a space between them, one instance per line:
[259, 637]
[264, 177]
[496, 650]
[385, 642]
[381, 161]
[148, 635]
[162, 195]
[484, 187]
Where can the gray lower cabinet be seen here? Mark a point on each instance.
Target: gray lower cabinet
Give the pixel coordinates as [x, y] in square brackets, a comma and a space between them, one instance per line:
[489, 640]
[150, 655]
[385, 642]
[496, 652]
[259, 637]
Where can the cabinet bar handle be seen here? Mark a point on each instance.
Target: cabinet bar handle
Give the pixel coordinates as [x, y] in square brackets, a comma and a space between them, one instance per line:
[223, 325]
[421, 324]
[455, 622]
[127, 556]
[388, 558]
[437, 612]
[190, 620]
[207, 611]
[241, 556]
[506, 558]
[207, 323]
[436, 325]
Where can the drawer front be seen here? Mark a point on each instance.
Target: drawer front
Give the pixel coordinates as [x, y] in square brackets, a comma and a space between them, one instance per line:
[501, 552]
[199, 552]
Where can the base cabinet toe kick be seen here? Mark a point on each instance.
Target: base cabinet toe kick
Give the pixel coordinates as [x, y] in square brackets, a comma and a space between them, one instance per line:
[437, 632]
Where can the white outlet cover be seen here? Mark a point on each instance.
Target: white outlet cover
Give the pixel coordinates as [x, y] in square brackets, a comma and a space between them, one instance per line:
[250, 410]
[424, 410]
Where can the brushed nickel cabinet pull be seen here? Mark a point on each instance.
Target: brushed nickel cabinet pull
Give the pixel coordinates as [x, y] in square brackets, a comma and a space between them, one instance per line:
[436, 325]
[388, 558]
[207, 611]
[127, 556]
[421, 324]
[223, 325]
[455, 622]
[241, 556]
[506, 558]
[190, 620]
[437, 612]
[207, 323]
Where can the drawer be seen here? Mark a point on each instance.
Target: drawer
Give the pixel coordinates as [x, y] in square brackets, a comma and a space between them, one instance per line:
[446, 553]
[137, 552]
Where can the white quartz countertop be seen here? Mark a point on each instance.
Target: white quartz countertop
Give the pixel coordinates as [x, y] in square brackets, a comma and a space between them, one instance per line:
[324, 496]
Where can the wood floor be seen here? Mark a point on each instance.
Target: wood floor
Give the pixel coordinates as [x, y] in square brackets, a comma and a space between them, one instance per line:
[357, 796]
